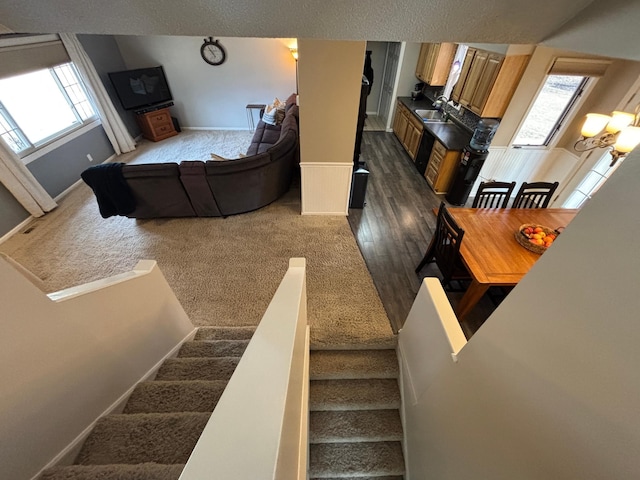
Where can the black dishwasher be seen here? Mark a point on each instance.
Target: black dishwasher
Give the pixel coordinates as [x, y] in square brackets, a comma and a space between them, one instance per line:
[424, 151]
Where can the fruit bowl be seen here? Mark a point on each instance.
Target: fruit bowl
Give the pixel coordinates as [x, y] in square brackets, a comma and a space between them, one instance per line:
[536, 238]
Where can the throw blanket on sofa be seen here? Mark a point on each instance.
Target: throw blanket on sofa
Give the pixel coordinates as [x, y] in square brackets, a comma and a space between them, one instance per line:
[110, 188]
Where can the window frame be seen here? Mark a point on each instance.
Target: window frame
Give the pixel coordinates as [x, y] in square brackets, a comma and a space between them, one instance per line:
[563, 121]
[32, 151]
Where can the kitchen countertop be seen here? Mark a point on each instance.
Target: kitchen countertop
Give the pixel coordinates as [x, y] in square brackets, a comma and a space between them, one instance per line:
[450, 134]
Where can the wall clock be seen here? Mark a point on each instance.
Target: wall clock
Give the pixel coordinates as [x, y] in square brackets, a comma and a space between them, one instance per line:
[212, 52]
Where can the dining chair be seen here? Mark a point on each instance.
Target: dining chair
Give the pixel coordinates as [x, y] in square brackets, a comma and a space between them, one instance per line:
[444, 248]
[534, 195]
[493, 194]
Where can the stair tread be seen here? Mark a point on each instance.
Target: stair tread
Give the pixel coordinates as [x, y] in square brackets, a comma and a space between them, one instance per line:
[327, 460]
[355, 426]
[165, 396]
[359, 394]
[217, 368]
[335, 364]
[213, 348]
[224, 333]
[166, 438]
[142, 471]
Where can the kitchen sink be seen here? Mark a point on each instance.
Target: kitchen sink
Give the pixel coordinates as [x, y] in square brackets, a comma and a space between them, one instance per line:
[431, 115]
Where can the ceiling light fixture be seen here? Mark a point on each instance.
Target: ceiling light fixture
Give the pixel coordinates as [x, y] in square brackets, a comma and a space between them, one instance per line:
[620, 131]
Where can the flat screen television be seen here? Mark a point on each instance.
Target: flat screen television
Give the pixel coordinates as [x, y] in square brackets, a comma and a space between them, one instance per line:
[141, 88]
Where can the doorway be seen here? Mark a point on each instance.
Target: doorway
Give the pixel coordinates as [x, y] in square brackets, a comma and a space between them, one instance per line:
[385, 57]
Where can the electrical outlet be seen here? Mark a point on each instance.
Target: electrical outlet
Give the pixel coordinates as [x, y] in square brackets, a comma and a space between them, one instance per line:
[89, 157]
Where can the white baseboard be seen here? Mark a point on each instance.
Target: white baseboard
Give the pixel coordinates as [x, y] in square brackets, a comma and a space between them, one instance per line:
[16, 229]
[217, 128]
[69, 453]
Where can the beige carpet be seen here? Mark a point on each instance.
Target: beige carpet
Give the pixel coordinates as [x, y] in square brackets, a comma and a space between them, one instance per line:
[223, 271]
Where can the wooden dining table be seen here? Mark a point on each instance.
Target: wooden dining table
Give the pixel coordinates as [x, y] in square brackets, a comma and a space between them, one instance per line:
[490, 251]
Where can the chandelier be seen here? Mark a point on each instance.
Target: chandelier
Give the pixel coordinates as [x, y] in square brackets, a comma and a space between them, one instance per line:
[620, 131]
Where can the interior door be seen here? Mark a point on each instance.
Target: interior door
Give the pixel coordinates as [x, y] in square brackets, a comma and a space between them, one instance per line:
[388, 81]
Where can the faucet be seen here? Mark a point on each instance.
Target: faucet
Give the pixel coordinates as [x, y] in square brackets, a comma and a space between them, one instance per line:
[441, 104]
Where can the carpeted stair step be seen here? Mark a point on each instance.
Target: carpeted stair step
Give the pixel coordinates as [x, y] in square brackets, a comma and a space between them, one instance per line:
[166, 438]
[369, 459]
[144, 471]
[355, 426]
[361, 394]
[224, 333]
[218, 368]
[342, 364]
[213, 348]
[175, 396]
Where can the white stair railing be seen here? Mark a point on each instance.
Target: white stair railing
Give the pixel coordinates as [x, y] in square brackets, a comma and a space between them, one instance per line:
[259, 429]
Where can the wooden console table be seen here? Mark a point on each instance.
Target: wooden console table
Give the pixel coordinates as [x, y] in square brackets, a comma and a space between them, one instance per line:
[156, 125]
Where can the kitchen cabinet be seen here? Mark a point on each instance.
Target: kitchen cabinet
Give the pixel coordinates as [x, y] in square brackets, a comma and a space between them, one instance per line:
[434, 62]
[488, 81]
[441, 167]
[408, 129]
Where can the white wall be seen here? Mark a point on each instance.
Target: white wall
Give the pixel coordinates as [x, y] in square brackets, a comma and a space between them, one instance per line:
[549, 386]
[407, 78]
[68, 357]
[256, 71]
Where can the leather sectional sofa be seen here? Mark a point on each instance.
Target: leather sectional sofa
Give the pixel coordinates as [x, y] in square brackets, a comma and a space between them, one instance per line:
[203, 188]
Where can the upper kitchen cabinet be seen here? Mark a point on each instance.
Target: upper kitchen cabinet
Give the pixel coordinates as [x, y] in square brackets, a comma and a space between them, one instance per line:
[487, 81]
[434, 62]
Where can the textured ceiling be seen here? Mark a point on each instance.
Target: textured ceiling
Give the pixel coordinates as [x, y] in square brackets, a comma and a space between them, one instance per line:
[482, 21]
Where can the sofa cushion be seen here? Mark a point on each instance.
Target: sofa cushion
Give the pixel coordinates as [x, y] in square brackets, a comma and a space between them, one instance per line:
[158, 191]
[238, 165]
[290, 102]
[192, 175]
[263, 138]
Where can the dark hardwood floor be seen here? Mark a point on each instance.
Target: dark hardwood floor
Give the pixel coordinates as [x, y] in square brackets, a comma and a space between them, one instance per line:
[395, 227]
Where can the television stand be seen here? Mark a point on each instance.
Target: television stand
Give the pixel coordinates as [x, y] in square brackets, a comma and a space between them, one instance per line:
[156, 124]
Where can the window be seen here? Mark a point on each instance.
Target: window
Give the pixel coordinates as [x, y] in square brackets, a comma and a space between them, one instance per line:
[39, 107]
[552, 105]
[592, 181]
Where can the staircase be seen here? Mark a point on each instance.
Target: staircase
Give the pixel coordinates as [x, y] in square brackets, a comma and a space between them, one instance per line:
[355, 430]
[163, 418]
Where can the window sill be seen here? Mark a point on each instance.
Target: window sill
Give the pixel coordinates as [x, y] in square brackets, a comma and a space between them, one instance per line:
[58, 142]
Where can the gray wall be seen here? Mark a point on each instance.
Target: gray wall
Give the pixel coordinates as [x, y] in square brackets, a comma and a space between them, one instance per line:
[256, 71]
[11, 212]
[106, 58]
[61, 168]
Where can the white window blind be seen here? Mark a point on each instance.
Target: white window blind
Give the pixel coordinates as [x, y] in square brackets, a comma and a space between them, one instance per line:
[28, 54]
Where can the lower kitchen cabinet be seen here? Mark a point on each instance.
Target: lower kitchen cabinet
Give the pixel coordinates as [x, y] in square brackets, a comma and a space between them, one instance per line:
[408, 129]
[441, 167]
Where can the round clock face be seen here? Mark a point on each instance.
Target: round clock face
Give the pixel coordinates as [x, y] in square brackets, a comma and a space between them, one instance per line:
[212, 52]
